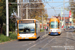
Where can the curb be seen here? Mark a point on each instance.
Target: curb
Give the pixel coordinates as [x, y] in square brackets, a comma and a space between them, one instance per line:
[7, 41]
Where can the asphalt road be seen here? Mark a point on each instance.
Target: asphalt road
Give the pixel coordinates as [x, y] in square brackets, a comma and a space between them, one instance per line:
[66, 41]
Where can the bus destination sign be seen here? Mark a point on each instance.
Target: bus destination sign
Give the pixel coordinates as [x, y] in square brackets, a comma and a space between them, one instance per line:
[26, 21]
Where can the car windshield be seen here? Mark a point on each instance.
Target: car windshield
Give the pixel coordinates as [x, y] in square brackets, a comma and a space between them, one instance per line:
[54, 24]
[27, 28]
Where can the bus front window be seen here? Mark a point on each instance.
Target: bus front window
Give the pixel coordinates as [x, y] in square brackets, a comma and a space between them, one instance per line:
[54, 25]
[27, 28]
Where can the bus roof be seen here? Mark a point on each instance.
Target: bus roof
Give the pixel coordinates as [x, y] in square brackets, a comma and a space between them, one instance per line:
[27, 19]
[53, 18]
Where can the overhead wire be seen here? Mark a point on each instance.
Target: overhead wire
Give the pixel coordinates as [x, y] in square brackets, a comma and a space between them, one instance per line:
[55, 7]
[52, 7]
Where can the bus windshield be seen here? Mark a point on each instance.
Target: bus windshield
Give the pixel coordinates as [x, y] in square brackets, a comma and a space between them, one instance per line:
[27, 28]
[54, 25]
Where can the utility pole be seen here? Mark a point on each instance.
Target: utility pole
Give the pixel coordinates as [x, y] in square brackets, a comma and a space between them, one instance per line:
[7, 19]
[18, 7]
[72, 17]
[61, 14]
[26, 12]
[64, 11]
[21, 9]
[61, 18]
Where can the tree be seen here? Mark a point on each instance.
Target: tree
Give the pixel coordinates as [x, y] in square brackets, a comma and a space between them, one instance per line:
[2, 13]
[12, 8]
[72, 4]
[34, 13]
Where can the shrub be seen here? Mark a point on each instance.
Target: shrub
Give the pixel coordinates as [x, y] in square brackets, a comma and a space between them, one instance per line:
[13, 36]
[4, 38]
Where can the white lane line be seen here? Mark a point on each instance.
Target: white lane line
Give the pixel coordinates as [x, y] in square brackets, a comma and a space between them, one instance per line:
[37, 43]
[48, 42]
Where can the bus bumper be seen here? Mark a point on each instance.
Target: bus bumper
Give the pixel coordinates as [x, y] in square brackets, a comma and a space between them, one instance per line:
[26, 37]
[54, 33]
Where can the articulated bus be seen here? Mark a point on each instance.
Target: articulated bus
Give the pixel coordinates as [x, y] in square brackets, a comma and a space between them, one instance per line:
[54, 26]
[28, 29]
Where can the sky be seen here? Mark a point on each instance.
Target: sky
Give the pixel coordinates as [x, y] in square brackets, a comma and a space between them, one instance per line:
[56, 11]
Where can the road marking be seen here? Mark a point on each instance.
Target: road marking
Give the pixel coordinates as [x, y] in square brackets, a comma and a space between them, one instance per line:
[67, 39]
[37, 43]
[44, 36]
[48, 42]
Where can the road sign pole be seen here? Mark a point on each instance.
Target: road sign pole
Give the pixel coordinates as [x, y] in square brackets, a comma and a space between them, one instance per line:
[7, 19]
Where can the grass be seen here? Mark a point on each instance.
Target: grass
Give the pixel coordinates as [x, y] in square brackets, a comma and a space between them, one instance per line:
[4, 38]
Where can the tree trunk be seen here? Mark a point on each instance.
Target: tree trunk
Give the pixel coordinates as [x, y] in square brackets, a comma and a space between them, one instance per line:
[1, 28]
